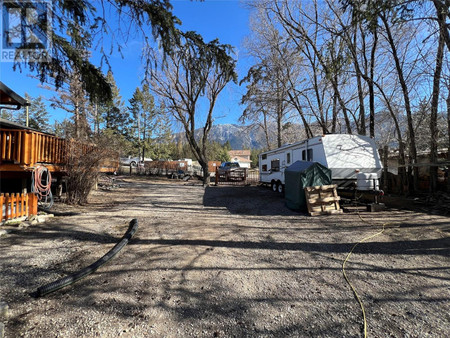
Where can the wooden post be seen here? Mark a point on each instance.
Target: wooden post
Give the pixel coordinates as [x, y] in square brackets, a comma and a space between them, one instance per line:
[33, 200]
[6, 207]
[17, 146]
[13, 205]
[385, 168]
[22, 204]
[23, 146]
[2, 201]
[9, 153]
[3, 150]
[29, 148]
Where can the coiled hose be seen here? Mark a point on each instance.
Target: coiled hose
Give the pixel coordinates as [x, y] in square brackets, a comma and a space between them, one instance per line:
[41, 181]
[68, 280]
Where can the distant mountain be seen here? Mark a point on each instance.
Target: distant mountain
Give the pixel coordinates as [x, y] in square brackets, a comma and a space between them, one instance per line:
[248, 137]
[240, 137]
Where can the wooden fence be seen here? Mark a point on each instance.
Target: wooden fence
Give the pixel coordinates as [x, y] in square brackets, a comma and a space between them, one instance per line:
[18, 205]
[241, 176]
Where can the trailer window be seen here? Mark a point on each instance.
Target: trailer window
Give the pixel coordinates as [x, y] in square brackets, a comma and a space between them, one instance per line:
[264, 156]
[307, 155]
[288, 158]
[275, 165]
[264, 167]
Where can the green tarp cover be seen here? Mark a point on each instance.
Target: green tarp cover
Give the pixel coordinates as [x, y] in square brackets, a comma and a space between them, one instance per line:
[303, 174]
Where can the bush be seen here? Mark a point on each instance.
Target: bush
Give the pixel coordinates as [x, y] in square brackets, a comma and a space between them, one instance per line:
[83, 165]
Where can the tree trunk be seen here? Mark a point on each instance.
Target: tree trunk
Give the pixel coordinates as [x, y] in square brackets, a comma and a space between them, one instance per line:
[448, 142]
[404, 183]
[266, 131]
[206, 173]
[335, 113]
[371, 85]
[404, 86]
[341, 103]
[198, 152]
[299, 109]
[362, 110]
[144, 129]
[433, 115]
[77, 121]
[279, 116]
[442, 12]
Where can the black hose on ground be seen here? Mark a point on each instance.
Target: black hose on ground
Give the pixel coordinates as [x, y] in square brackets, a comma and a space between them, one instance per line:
[66, 281]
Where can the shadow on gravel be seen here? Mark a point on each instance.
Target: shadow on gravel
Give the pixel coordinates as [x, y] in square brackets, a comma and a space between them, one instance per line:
[420, 247]
[57, 231]
[247, 200]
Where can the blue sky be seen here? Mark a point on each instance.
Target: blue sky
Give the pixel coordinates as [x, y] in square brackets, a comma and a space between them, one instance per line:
[226, 20]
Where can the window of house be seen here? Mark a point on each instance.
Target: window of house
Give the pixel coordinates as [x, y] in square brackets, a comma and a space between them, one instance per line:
[275, 165]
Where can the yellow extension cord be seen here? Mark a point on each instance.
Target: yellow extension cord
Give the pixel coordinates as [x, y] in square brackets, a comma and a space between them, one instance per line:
[347, 279]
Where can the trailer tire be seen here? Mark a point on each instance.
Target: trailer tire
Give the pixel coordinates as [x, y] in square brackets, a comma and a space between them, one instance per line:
[280, 188]
[274, 186]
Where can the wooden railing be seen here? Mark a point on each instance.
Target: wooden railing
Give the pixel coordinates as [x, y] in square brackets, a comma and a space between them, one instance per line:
[27, 147]
[17, 205]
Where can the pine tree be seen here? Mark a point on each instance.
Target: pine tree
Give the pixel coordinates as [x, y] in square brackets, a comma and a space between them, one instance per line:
[113, 112]
[38, 117]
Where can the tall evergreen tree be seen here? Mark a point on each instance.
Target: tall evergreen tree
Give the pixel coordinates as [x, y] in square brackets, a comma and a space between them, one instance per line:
[38, 117]
[113, 112]
[143, 110]
[87, 22]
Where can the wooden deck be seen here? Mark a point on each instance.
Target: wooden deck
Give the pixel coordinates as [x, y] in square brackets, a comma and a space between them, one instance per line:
[21, 150]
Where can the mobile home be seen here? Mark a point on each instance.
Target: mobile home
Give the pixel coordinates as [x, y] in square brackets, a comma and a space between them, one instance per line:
[350, 158]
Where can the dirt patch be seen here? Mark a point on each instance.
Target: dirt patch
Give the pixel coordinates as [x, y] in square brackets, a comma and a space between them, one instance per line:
[223, 262]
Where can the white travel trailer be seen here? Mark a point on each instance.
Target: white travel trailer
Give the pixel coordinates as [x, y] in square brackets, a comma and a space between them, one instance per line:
[351, 158]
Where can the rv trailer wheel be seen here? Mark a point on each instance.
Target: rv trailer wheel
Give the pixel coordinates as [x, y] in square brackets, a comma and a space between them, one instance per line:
[274, 186]
[280, 187]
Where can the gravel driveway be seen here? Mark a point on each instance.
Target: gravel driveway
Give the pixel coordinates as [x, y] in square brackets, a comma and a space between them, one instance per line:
[224, 262]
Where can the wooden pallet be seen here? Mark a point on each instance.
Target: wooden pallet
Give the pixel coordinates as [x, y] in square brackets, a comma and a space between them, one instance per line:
[322, 200]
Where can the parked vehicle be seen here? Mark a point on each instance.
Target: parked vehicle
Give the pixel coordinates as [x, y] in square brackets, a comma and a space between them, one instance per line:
[231, 171]
[131, 161]
[346, 156]
[228, 166]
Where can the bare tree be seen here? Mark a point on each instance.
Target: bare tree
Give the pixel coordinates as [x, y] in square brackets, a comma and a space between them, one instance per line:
[294, 18]
[189, 83]
[434, 113]
[267, 90]
[448, 138]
